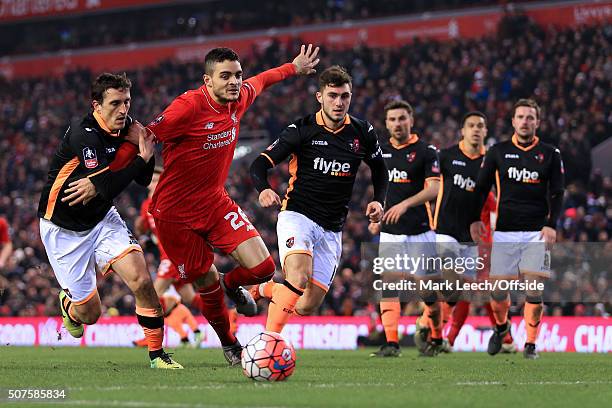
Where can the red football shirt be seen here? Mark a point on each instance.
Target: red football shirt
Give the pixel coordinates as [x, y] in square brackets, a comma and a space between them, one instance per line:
[199, 137]
[4, 231]
[489, 207]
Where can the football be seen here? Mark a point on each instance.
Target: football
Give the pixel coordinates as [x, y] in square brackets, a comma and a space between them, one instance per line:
[268, 357]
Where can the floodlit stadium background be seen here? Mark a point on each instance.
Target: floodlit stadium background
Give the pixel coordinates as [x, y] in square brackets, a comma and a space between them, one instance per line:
[444, 57]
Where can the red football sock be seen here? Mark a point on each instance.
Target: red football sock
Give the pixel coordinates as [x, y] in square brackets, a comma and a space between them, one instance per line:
[460, 314]
[241, 276]
[215, 311]
[196, 302]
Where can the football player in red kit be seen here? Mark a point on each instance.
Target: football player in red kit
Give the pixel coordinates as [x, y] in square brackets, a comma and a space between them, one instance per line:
[192, 211]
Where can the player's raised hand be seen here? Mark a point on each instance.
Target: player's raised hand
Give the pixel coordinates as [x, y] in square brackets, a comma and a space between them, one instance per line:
[374, 211]
[306, 60]
[394, 213]
[269, 198]
[549, 235]
[477, 231]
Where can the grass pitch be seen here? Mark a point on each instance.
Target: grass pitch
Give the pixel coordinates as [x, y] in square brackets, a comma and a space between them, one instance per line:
[120, 377]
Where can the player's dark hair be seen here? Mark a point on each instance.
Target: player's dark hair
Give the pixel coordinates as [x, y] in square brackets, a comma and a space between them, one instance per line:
[473, 113]
[218, 55]
[107, 81]
[334, 76]
[530, 103]
[399, 105]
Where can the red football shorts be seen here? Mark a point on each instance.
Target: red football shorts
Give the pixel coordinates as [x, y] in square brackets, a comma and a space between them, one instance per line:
[167, 270]
[189, 245]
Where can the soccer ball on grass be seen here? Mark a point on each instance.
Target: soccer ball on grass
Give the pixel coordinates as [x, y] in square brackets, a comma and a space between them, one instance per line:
[268, 357]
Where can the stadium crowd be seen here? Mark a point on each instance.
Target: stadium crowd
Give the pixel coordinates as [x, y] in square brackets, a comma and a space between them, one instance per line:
[198, 19]
[569, 72]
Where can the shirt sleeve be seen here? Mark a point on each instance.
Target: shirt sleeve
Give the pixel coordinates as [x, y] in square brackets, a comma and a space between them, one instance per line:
[372, 146]
[253, 86]
[557, 176]
[484, 181]
[174, 121]
[432, 163]
[378, 167]
[288, 142]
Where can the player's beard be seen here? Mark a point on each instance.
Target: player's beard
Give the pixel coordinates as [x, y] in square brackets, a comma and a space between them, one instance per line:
[223, 96]
[526, 135]
[331, 119]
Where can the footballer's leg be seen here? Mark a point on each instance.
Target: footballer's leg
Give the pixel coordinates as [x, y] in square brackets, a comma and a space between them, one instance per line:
[166, 275]
[433, 311]
[505, 258]
[532, 313]
[285, 296]
[390, 308]
[132, 268]
[325, 260]
[390, 311]
[190, 251]
[190, 297]
[310, 302]
[76, 313]
[233, 234]
[74, 267]
[255, 266]
[215, 311]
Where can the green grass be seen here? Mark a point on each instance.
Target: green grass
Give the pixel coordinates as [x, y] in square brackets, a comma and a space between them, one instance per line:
[120, 377]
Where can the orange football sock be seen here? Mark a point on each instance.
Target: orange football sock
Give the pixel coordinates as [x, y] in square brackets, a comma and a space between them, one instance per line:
[435, 320]
[500, 310]
[533, 315]
[284, 298]
[152, 323]
[390, 315]
[266, 289]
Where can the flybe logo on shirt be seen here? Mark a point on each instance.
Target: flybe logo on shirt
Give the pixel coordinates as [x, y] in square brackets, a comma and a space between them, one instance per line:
[466, 184]
[524, 175]
[333, 168]
[397, 176]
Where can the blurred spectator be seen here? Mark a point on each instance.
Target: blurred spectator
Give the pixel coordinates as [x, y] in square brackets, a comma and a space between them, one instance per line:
[199, 19]
[568, 72]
